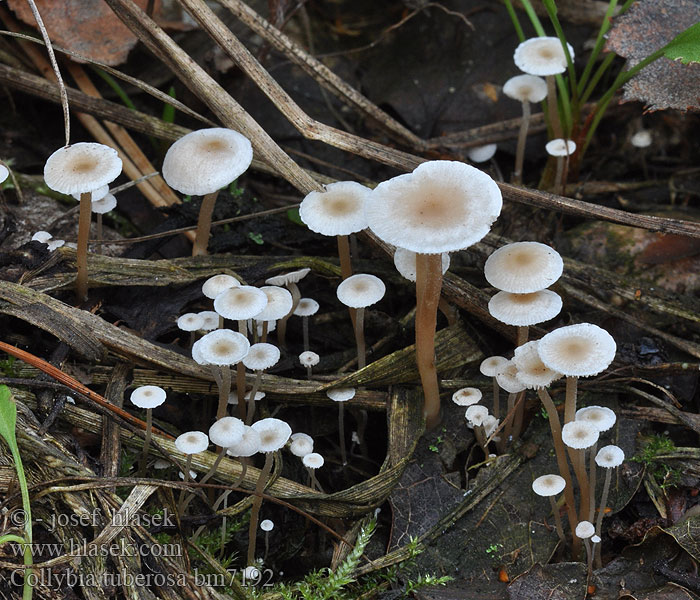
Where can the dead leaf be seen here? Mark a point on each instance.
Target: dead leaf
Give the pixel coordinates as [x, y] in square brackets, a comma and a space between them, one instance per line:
[88, 27]
[646, 27]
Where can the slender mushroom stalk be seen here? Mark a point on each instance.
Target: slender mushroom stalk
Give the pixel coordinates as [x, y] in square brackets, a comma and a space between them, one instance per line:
[148, 397]
[561, 149]
[189, 443]
[608, 458]
[578, 436]
[84, 220]
[490, 367]
[309, 360]
[313, 461]
[259, 358]
[550, 486]
[585, 531]
[288, 281]
[206, 210]
[341, 396]
[552, 107]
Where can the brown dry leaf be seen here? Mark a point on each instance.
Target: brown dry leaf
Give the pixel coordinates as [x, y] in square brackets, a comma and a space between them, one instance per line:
[88, 27]
[646, 27]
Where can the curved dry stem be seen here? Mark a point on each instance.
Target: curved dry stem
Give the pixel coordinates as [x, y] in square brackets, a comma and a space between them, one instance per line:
[522, 139]
[496, 399]
[345, 265]
[428, 287]
[84, 221]
[240, 376]
[257, 503]
[206, 209]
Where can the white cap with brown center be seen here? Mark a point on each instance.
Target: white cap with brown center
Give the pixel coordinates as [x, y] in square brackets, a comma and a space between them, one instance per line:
[361, 290]
[523, 267]
[337, 211]
[81, 168]
[525, 309]
[580, 350]
[542, 56]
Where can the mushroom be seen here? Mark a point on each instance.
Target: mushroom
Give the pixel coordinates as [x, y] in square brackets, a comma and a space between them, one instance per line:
[267, 526]
[549, 486]
[306, 307]
[309, 359]
[191, 322]
[189, 443]
[490, 367]
[80, 169]
[101, 206]
[202, 162]
[313, 461]
[274, 434]
[466, 396]
[260, 357]
[479, 154]
[545, 56]
[341, 396]
[526, 89]
[247, 446]
[360, 291]
[288, 281]
[148, 397]
[279, 305]
[585, 531]
[608, 458]
[476, 416]
[579, 435]
[441, 206]
[561, 149]
[210, 320]
[301, 444]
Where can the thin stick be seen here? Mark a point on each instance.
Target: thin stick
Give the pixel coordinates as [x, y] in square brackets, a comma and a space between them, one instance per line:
[578, 459]
[257, 503]
[345, 266]
[520, 150]
[523, 333]
[186, 477]
[589, 560]
[305, 333]
[282, 324]
[559, 173]
[84, 220]
[206, 209]
[240, 376]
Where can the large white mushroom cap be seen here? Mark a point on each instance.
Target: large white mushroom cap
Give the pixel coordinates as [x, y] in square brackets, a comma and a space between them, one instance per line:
[279, 303]
[261, 356]
[609, 457]
[81, 168]
[226, 432]
[361, 290]
[222, 347]
[525, 309]
[274, 433]
[542, 56]
[579, 435]
[240, 303]
[192, 442]
[599, 416]
[526, 88]
[148, 396]
[440, 207]
[580, 350]
[523, 267]
[405, 263]
[548, 485]
[213, 286]
[337, 211]
[532, 372]
[206, 160]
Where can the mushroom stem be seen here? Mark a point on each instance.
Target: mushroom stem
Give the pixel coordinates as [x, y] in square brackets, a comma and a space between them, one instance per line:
[224, 390]
[305, 333]
[563, 466]
[559, 173]
[251, 398]
[428, 287]
[98, 246]
[84, 222]
[345, 265]
[557, 519]
[146, 442]
[360, 338]
[601, 512]
[552, 109]
[209, 474]
[522, 138]
[181, 502]
[240, 377]
[496, 399]
[523, 333]
[570, 405]
[578, 460]
[341, 432]
[508, 431]
[592, 482]
[282, 325]
[480, 435]
[314, 482]
[257, 503]
[201, 239]
[589, 560]
[519, 415]
[263, 337]
[244, 469]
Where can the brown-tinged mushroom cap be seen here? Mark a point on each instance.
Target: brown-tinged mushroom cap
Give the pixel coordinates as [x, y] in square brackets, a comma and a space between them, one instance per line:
[103, 205]
[584, 530]
[526, 88]
[274, 433]
[279, 303]
[240, 303]
[190, 322]
[609, 457]
[226, 431]
[206, 160]
[542, 56]
[148, 396]
[525, 309]
[192, 442]
[580, 350]
[306, 307]
[466, 396]
[493, 365]
[261, 356]
[213, 286]
[579, 434]
[532, 372]
[507, 378]
[81, 168]
[309, 359]
[223, 347]
[361, 290]
[600, 417]
[440, 207]
[339, 210]
[548, 485]
[523, 267]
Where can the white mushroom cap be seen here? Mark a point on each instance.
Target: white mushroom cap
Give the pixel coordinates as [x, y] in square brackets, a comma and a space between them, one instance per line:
[192, 442]
[190, 322]
[261, 356]
[579, 435]
[53, 244]
[42, 236]
[313, 460]
[641, 139]
[507, 378]
[213, 286]
[479, 154]
[306, 307]
[532, 372]
[523, 267]
[299, 435]
[301, 446]
[361, 290]
[542, 56]
[476, 414]
[267, 525]
[490, 424]
[4, 173]
[491, 366]
[342, 394]
[525, 309]
[210, 320]
[233, 397]
[97, 194]
[595, 539]
[584, 530]
[279, 303]
[440, 207]
[405, 263]
[274, 434]
[548, 485]
[309, 359]
[580, 350]
[103, 205]
[560, 147]
[599, 416]
[193, 475]
[197, 355]
[337, 211]
[81, 168]
[247, 445]
[226, 432]
[287, 278]
[609, 457]
[240, 303]
[466, 396]
[223, 347]
[148, 396]
[202, 162]
[526, 88]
